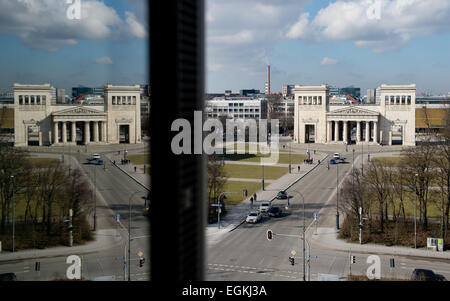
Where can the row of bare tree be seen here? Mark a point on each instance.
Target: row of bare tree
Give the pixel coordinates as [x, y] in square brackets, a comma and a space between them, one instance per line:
[384, 186]
[43, 195]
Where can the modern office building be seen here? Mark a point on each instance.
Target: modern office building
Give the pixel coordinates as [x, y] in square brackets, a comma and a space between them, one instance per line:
[237, 108]
[287, 91]
[249, 92]
[77, 91]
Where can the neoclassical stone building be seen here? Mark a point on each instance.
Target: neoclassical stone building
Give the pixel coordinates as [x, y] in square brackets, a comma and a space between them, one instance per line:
[391, 119]
[118, 120]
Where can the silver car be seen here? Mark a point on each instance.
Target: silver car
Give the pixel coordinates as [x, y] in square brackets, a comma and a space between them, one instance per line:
[253, 217]
[264, 207]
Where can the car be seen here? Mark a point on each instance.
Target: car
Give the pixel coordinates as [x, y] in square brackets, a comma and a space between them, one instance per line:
[275, 211]
[426, 275]
[282, 195]
[337, 156]
[96, 156]
[253, 217]
[100, 162]
[264, 207]
[333, 161]
[8, 277]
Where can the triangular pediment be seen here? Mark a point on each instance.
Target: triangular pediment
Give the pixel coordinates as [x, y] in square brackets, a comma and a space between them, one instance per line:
[354, 111]
[78, 110]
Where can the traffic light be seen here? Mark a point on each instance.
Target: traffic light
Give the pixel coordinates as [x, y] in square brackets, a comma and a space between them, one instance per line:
[269, 235]
[292, 260]
[353, 259]
[141, 262]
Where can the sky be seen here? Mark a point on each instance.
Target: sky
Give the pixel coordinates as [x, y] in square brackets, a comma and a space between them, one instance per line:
[40, 44]
[363, 43]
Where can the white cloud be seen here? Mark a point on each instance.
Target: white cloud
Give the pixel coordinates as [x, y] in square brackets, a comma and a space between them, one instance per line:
[399, 22]
[104, 61]
[43, 24]
[328, 61]
[241, 35]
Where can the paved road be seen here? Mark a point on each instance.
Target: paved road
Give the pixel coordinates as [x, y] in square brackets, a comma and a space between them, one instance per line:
[245, 253]
[114, 191]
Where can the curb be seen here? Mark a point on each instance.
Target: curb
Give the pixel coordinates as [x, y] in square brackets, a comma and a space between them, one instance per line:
[147, 188]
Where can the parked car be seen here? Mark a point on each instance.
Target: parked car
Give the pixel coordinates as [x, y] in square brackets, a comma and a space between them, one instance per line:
[96, 156]
[426, 275]
[333, 161]
[264, 207]
[100, 162]
[253, 217]
[337, 156]
[282, 195]
[275, 212]
[8, 277]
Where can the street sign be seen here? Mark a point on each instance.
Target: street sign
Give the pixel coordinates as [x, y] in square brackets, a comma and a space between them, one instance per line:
[315, 215]
[140, 254]
[293, 252]
[117, 218]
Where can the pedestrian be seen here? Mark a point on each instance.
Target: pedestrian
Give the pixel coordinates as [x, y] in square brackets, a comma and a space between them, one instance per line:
[314, 152]
[251, 201]
[298, 168]
[135, 169]
[114, 162]
[254, 196]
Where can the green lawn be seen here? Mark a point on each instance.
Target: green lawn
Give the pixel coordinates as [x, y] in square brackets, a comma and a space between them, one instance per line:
[139, 159]
[282, 159]
[239, 186]
[433, 208]
[42, 162]
[254, 171]
[388, 160]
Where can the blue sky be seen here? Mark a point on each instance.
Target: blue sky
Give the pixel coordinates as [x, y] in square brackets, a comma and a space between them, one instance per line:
[340, 43]
[108, 44]
[307, 42]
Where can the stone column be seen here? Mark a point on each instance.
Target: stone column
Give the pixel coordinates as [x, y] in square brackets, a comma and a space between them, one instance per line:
[95, 131]
[345, 132]
[104, 131]
[390, 137]
[74, 132]
[367, 131]
[87, 133]
[375, 132]
[64, 132]
[329, 131]
[55, 133]
[358, 131]
[336, 131]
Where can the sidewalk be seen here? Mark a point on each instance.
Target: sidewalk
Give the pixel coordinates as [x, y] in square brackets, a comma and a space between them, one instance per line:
[139, 176]
[237, 214]
[103, 239]
[326, 238]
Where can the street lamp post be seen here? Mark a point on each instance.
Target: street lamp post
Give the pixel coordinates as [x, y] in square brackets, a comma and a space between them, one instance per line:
[289, 156]
[129, 235]
[95, 200]
[304, 240]
[337, 197]
[262, 180]
[14, 214]
[415, 213]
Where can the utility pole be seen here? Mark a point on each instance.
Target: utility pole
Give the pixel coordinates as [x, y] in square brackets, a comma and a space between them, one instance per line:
[415, 213]
[14, 214]
[95, 200]
[337, 197]
[70, 228]
[262, 180]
